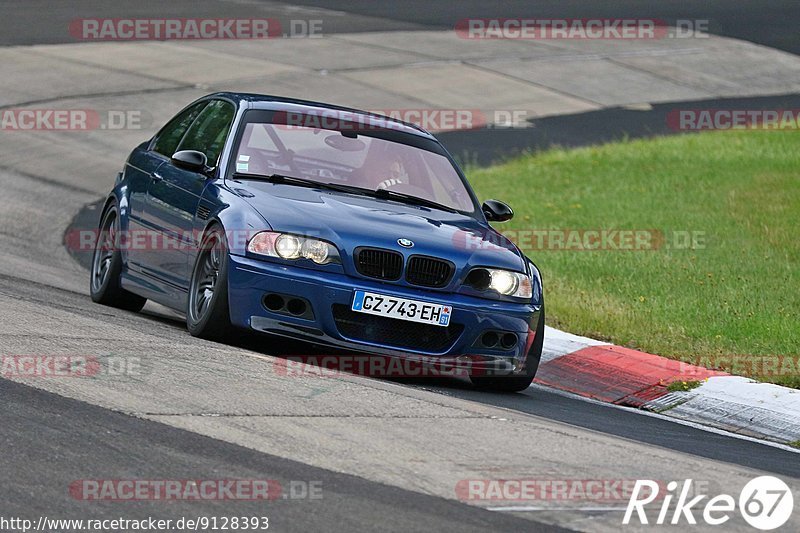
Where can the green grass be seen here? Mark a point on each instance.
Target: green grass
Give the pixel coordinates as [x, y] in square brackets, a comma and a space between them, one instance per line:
[682, 386]
[795, 444]
[737, 293]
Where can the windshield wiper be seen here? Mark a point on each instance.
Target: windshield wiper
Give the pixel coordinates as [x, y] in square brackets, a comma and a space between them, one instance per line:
[411, 199]
[291, 180]
[383, 194]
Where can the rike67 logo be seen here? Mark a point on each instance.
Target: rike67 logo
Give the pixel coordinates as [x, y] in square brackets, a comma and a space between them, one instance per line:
[765, 503]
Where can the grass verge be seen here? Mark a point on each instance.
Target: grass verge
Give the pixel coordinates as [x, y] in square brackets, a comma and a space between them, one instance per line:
[682, 386]
[722, 286]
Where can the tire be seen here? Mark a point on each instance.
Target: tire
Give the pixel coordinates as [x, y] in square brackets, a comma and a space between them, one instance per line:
[208, 315]
[517, 383]
[104, 279]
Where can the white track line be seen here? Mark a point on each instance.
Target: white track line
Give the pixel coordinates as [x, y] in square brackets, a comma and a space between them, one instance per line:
[530, 508]
[694, 425]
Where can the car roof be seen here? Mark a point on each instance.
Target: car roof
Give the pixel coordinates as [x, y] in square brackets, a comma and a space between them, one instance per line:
[280, 103]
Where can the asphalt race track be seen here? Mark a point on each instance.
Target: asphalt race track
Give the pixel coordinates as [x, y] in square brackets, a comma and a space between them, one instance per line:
[388, 455]
[152, 450]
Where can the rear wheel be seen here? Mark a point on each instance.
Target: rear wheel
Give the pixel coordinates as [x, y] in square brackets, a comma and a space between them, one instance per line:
[104, 285]
[517, 382]
[208, 315]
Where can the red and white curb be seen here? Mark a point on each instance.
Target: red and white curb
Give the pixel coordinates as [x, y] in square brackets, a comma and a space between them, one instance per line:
[623, 376]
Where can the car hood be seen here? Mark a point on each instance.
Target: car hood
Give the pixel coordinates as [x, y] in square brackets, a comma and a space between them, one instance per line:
[350, 221]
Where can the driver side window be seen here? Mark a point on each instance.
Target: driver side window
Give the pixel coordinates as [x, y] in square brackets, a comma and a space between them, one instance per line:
[208, 133]
[167, 142]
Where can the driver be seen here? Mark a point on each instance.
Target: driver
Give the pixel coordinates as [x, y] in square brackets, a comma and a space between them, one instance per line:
[395, 174]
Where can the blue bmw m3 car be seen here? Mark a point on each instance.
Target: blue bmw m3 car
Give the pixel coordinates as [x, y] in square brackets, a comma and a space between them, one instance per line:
[322, 224]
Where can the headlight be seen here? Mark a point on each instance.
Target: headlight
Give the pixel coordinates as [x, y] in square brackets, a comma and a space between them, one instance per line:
[287, 246]
[504, 282]
[317, 251]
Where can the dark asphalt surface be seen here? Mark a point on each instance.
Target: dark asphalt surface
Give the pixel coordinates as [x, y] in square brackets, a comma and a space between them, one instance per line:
[486, 146]
[769, 22]
[630, 424]
[49, 441]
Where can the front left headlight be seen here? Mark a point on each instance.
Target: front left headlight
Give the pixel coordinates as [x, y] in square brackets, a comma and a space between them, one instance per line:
[292, 247]
[505, 282]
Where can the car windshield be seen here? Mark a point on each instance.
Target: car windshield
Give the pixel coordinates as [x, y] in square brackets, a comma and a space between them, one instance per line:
[346, 153]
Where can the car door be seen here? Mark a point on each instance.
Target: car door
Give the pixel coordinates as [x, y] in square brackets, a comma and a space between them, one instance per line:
[142, 170]
[174, 193]
[139, 171]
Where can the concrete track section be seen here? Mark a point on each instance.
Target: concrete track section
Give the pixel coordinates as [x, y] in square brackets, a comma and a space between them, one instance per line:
[772, 23]
[412, 74]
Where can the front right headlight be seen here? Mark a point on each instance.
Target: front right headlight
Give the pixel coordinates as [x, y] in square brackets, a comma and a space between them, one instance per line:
[505, 282]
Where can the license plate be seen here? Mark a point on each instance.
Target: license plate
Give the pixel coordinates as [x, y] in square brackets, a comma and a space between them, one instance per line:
[401, 308]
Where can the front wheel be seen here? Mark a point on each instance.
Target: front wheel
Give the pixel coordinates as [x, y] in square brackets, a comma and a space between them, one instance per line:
[520, 382]
[104, 285]
[208, 315]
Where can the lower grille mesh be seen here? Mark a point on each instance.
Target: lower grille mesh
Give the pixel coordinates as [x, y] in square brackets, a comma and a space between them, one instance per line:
[393, 332]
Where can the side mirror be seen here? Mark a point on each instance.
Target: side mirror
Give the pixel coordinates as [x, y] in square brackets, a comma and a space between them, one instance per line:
[190, 160]
[496, 211]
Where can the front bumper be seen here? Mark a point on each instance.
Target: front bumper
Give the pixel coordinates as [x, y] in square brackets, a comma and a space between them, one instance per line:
[251, 280]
